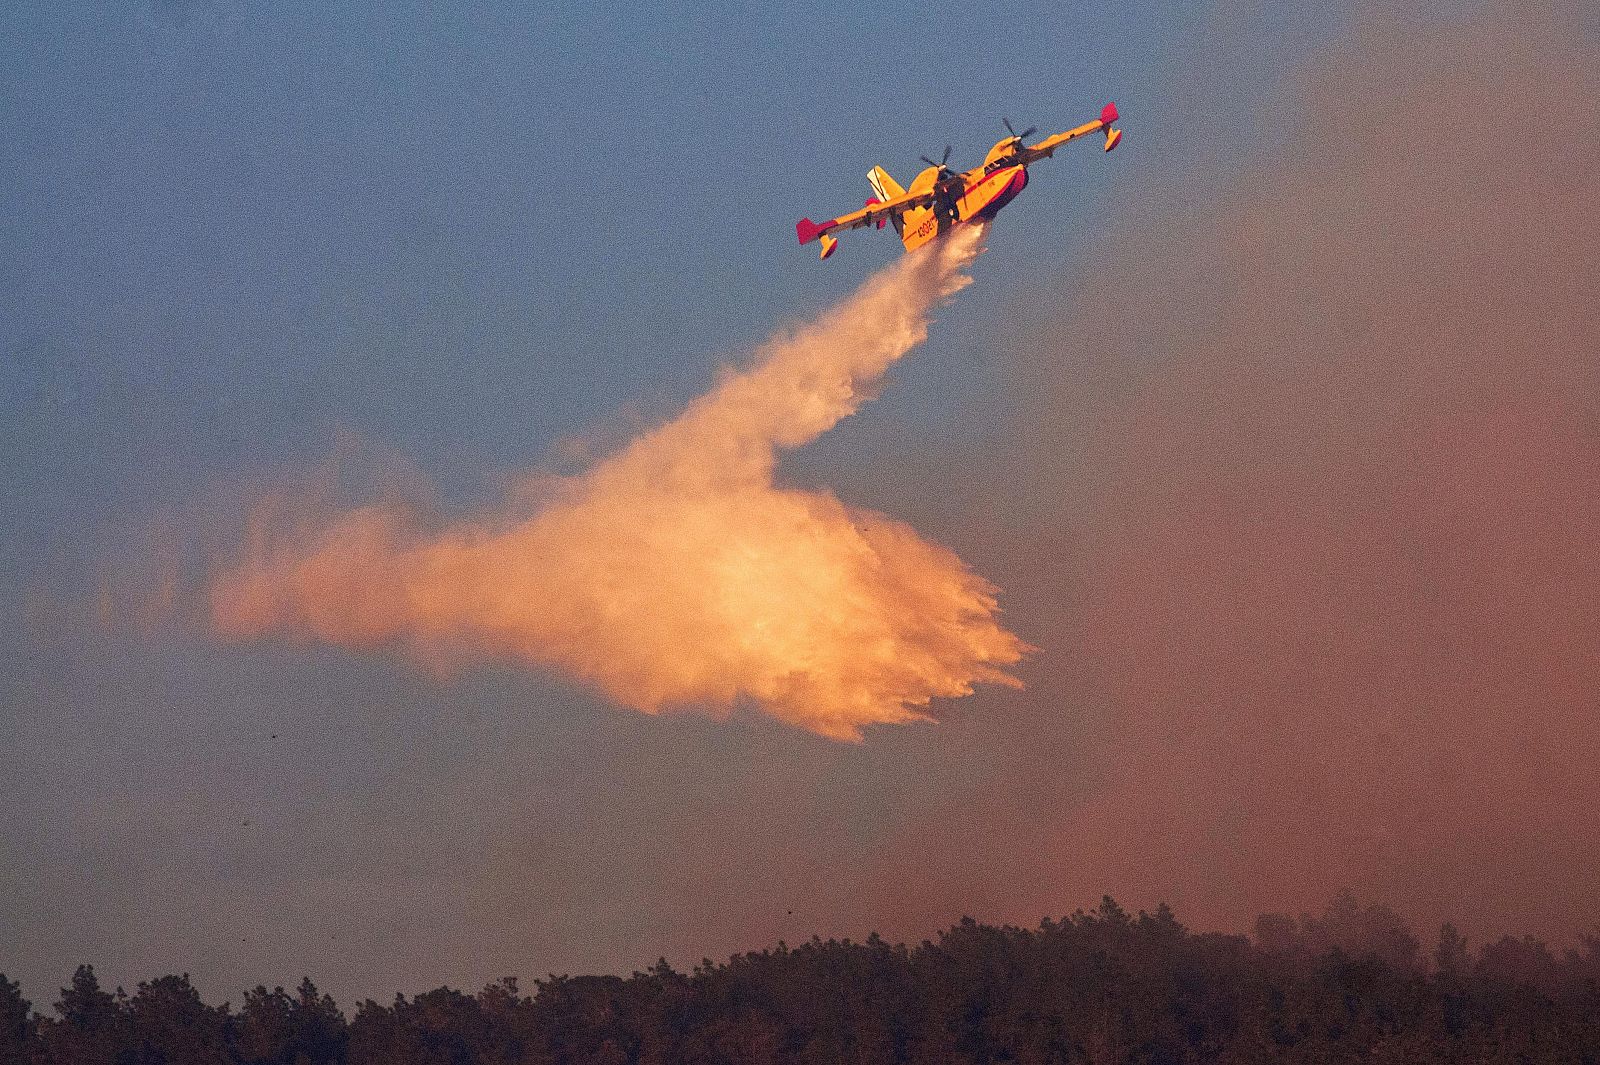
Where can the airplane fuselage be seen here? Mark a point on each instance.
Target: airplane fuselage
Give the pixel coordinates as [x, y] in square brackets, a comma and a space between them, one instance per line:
[983, 194]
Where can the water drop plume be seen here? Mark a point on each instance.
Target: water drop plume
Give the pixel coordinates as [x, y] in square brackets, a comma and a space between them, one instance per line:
[676, 572]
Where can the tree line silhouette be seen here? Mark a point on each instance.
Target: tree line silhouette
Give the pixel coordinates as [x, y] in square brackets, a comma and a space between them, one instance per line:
[1098, 987]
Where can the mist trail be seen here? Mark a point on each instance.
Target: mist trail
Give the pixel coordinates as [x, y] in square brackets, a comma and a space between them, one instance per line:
[676, 573]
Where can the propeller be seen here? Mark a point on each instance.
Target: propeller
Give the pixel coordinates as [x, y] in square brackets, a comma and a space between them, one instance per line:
[1030, 131]
[943, 159]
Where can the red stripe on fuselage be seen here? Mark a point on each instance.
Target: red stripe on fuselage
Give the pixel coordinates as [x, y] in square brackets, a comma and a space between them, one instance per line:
[1016, 178]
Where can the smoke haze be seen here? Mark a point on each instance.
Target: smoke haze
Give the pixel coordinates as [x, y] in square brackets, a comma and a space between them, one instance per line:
[675, 573]
[1325, 487]
[1292, 478]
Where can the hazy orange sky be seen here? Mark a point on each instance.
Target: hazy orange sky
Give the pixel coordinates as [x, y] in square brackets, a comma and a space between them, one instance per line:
[1326, 444]
[1276, 430]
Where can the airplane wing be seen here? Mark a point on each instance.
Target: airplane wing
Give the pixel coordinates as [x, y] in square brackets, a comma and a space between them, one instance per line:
[875, 212]
[1047, 147]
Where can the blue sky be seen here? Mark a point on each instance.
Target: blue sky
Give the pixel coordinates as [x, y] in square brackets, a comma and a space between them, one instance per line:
[464, 235]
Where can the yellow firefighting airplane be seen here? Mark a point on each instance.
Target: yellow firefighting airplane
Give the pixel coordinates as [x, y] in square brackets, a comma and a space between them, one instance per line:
[940, 198]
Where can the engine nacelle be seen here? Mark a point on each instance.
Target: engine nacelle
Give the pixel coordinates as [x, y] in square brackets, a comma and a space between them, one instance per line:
[1003, 149]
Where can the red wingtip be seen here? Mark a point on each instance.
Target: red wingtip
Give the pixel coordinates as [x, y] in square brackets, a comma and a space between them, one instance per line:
[1108, 114]
[807, 230]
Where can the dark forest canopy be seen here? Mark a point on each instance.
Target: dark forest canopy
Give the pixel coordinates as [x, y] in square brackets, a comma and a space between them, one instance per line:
[1103, 986]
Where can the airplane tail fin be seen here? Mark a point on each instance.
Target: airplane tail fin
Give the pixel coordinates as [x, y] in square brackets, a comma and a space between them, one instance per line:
[886, 188]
